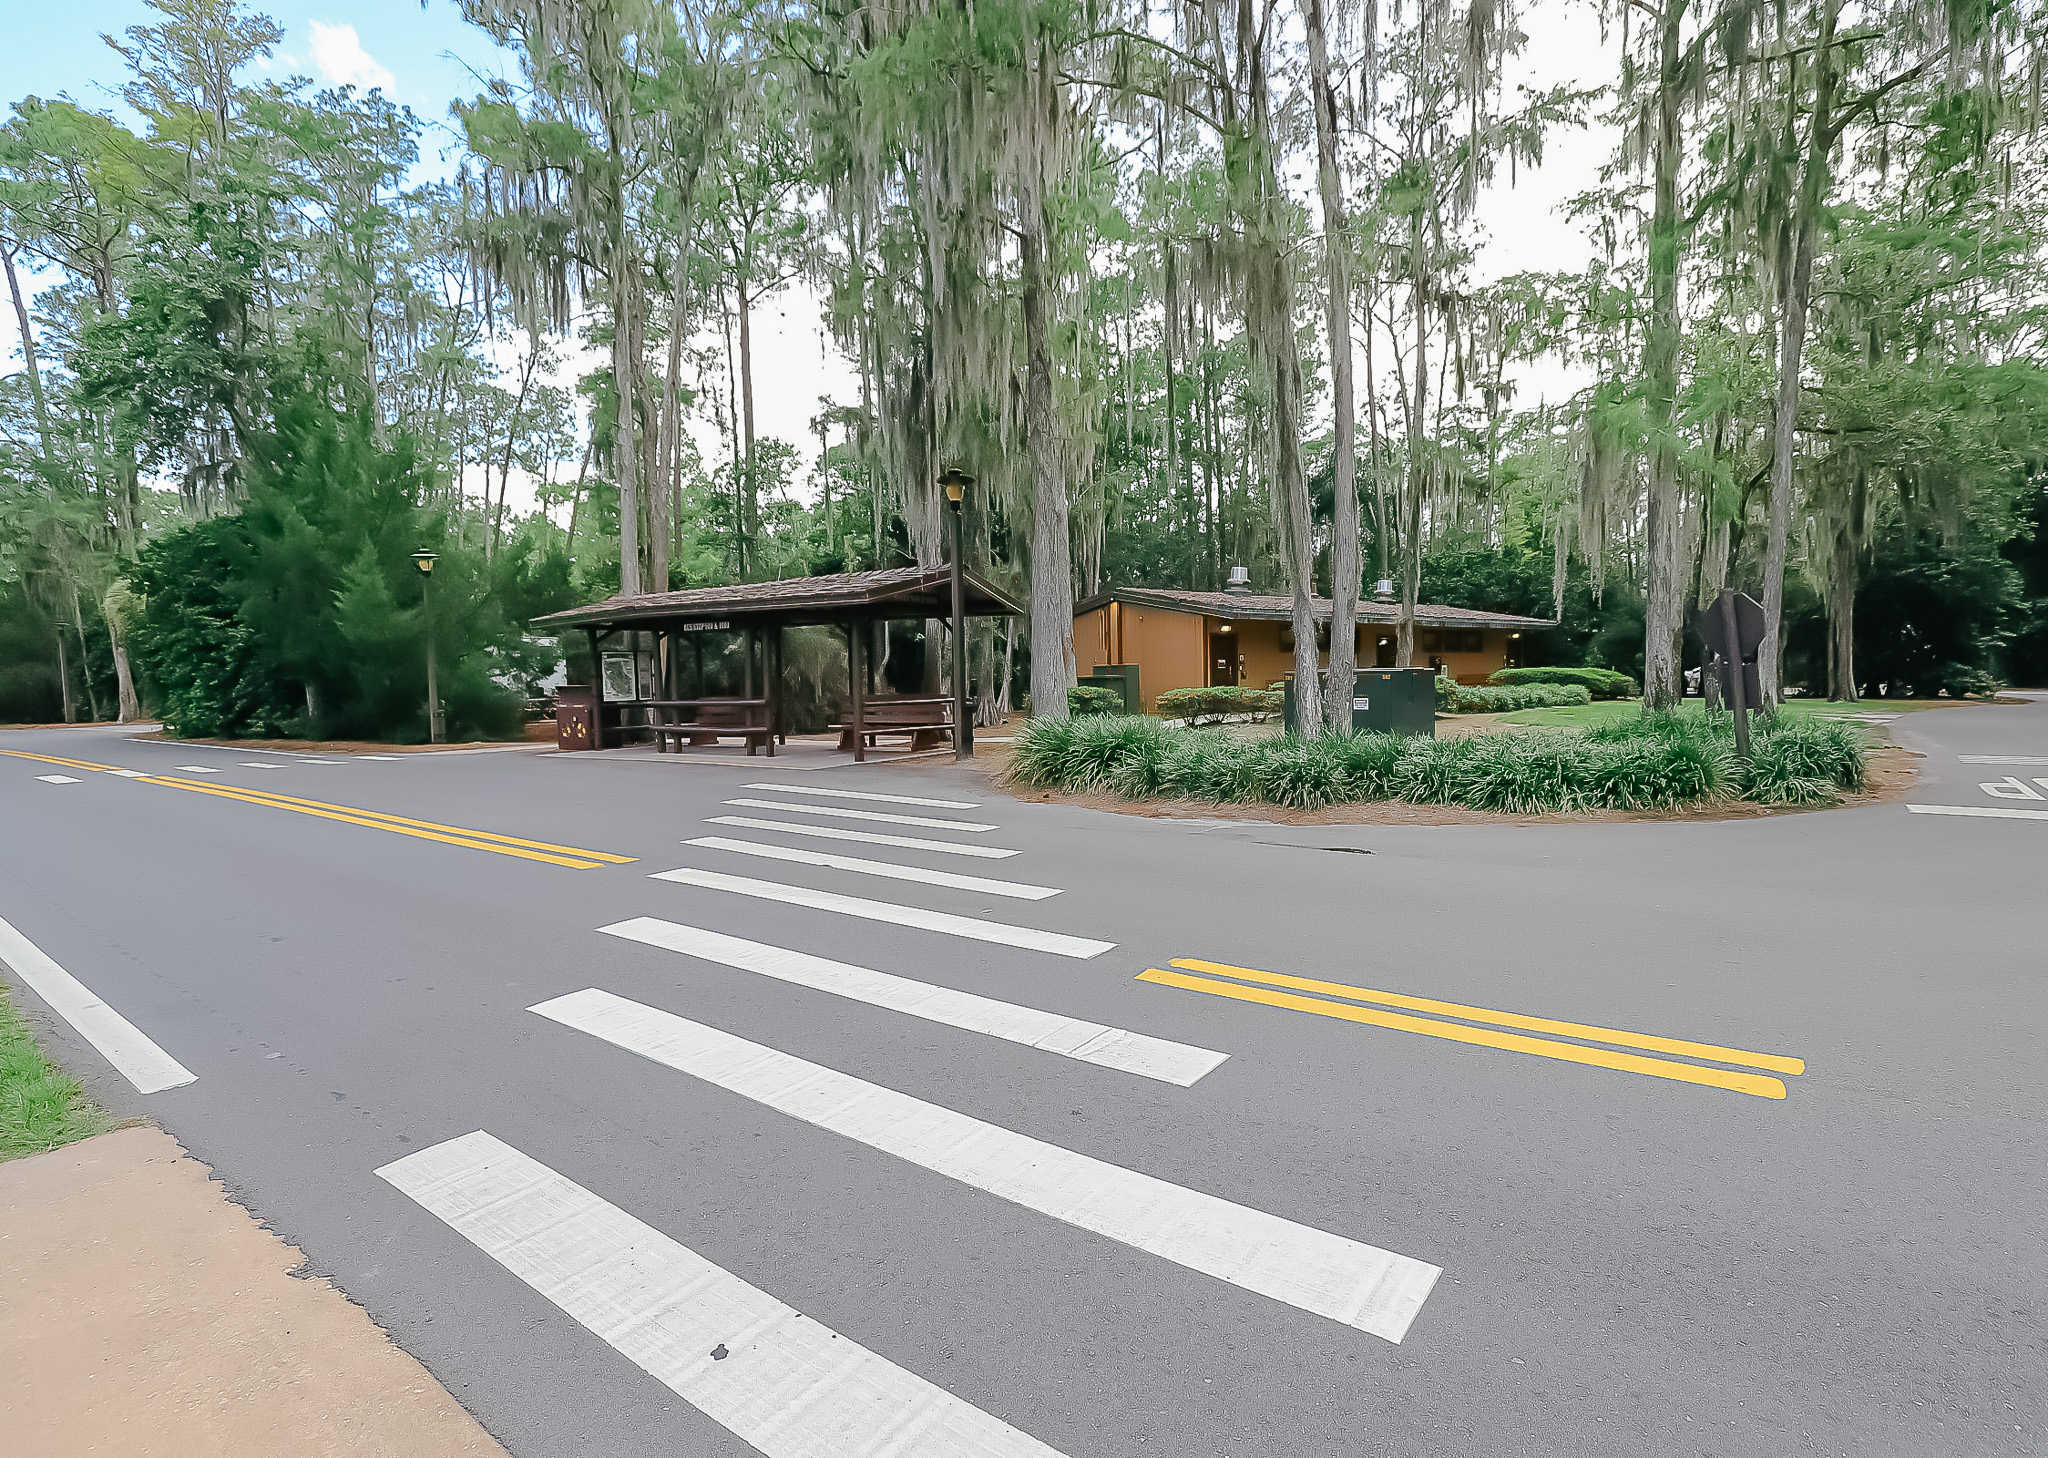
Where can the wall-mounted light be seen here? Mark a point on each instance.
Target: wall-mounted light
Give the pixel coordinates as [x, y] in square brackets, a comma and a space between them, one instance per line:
[1224, 629]
[1514, 635]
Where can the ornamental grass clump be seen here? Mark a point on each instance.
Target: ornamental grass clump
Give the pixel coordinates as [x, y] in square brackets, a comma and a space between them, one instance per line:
[1301, 773]
[1525, 775]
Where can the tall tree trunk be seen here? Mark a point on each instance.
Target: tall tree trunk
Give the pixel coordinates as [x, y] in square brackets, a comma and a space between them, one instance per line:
[64, 671]
[670, 470]
[1052, 568]
[124, 678]
[28, 349]
[505, 462]
[1411, 525]
[753, 494]
[1794, 288]
[1664, 607]
[1345, 567]
[625, 378]
[92, 697]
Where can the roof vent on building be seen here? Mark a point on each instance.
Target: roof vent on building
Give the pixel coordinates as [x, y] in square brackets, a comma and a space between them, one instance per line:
[1240, 582]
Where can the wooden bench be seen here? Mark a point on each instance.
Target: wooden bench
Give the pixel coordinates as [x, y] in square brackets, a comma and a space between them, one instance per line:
[707, 721]
[928, 722]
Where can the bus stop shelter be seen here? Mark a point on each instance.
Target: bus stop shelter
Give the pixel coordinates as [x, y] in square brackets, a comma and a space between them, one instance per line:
[644, 647]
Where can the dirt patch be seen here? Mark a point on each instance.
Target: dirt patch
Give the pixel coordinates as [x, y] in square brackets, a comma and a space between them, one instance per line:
[1892, 773]
[143, 1313]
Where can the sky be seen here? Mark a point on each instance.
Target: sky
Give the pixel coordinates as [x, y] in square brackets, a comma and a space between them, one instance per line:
[425, 56]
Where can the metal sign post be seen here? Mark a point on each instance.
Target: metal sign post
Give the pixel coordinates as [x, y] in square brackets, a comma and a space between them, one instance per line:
[1738, 697]
[1732, 630]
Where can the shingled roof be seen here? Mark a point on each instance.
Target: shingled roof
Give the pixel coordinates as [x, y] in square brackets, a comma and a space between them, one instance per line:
[893, 592]
[1245, 605]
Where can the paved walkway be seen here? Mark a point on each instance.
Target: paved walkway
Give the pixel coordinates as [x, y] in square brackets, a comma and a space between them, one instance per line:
[143, 1313]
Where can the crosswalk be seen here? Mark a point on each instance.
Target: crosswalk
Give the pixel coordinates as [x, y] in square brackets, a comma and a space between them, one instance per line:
[740, 1354]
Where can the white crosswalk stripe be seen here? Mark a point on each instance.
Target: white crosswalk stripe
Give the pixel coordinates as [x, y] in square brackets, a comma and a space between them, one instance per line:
[197, 769]
[1362, 1286]
[869, 795]
[864, 837]
[923, 822]
[58, 779]
[138, 1057]
[889, 870]
[1978, 759]
[972, 927]
[1077, 1038]
[776, 1379]
[1982, 812]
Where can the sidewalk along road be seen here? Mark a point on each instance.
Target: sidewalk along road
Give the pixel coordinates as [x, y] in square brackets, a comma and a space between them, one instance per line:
[962, 1121]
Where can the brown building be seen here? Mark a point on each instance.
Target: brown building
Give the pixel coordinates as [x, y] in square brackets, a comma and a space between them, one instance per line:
[1197, 639]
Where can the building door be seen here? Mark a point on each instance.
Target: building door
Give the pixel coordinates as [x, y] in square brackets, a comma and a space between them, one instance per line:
[1385, 651]
[1222, 660]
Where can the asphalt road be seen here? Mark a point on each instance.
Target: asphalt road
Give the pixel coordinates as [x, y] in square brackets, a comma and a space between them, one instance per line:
[1632, 1261]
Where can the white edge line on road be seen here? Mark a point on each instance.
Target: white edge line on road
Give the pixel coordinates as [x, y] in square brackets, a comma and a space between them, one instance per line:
[58, 779]
[1362, 1286]
[888, 870]
[1076, 1038]
[2003, 758]
[767, 1373]
[924, 822]
[1987, 812]
[865, 837]
[1031, 939]
[866, 795]
[132, 1052]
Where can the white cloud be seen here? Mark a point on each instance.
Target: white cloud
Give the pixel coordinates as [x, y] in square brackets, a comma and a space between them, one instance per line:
[340, 59]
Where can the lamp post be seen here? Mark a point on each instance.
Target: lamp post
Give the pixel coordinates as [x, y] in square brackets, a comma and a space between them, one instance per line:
[425, 560]
[956, 482]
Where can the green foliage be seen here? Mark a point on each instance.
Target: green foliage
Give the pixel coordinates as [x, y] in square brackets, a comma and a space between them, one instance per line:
[41, 1106]
[1644, 763]
[1192, 705]
[1453, 697]
[1601, 683]
[305, 614]
[1085, 698]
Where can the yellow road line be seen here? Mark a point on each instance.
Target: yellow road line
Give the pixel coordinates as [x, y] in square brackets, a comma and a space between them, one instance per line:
[54, 759]
[294, 802]
[1776, 1063]
[1748, 1083]
[484, 840]
[226, 792]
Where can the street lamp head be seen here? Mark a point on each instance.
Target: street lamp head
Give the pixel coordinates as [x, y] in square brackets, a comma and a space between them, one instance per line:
[956, 482]
[425, 560]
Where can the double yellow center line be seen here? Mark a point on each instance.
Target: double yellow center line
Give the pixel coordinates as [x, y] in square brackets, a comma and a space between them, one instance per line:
[573, 857]
[1270, 995]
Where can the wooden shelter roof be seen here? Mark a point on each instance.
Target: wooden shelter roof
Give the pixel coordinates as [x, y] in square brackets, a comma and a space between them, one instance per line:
[893, 592]
[1247, 605]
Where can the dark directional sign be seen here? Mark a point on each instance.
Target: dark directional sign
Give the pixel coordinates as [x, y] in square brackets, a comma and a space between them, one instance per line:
[1732, 628]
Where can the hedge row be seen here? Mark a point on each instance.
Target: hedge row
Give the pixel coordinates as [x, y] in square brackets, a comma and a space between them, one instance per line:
[1088, 698]
[1192, 705]
[1453, 697]
[1642, 764]
[1602, 683]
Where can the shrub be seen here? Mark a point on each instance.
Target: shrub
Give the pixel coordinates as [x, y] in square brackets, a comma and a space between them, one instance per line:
[1087, 698]
[1966, 681]
[1453, 697]
[1602, 683]
[1192, 705]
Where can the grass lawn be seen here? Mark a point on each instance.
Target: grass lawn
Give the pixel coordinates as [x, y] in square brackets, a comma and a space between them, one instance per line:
[41, 1107]
[1607, 711]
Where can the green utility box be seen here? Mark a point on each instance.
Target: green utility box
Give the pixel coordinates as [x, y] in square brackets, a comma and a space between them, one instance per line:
[1123, 678]
[1387, 700]
[1120, 678]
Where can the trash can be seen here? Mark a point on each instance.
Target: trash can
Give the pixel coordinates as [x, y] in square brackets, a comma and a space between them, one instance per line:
[1387, 700]
[575, 719]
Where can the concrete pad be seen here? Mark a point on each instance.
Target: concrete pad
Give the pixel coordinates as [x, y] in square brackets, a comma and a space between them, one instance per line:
[143, 1313]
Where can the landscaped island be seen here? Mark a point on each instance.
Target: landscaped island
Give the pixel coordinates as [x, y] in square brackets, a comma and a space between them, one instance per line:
[1651, 762]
